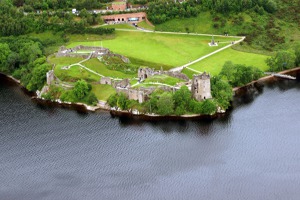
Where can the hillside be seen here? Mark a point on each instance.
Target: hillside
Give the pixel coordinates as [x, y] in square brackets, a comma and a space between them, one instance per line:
[268, 27]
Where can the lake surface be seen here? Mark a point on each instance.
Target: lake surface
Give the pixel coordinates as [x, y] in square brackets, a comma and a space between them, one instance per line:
[59, 154]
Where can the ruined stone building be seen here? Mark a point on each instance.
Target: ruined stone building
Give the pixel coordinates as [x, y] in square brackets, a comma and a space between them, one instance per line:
[144, 73]
[201, 87]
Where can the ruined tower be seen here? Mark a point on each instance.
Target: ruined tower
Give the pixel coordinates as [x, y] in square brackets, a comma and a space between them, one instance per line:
[201, 87]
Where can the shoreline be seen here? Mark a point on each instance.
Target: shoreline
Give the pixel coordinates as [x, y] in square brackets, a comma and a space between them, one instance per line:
[238, 91]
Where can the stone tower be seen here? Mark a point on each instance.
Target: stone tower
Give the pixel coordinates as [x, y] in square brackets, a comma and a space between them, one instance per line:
[201, 87]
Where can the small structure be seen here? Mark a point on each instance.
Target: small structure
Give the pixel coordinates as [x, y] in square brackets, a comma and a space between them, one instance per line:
[133, 18]
[122, 83]
[144, 73]
[201, 87]
[213, 43]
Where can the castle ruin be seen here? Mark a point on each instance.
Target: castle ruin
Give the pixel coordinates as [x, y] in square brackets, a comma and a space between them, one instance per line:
[201, 87]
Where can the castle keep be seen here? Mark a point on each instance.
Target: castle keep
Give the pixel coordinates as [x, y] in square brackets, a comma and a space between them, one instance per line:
[201, 87]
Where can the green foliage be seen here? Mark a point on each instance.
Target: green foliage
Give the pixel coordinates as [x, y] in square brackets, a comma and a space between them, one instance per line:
[113, 100]
[38, 77]
[221, 92]
[208, 107]
[68, 96]
[165, 104]
[161, 11]
[81, 89]
[281, 61]
[5, 52]
[54, 93]
[123, 101]
[182, 98]
[238, 75]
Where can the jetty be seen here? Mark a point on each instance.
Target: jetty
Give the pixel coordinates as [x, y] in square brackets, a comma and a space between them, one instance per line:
[285, 76]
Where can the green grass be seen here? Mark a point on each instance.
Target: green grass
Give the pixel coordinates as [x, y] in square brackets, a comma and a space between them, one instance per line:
[145, 25]
[166, 49]
[214, 63]
[97, 66]
[102, 92]
[63, 61]
[163, 79]
[119, 26]
[74, 74]
[188, 72]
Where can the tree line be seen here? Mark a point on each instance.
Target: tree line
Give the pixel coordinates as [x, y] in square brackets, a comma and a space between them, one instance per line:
[14, 22]
[161, 11]
[24, 59]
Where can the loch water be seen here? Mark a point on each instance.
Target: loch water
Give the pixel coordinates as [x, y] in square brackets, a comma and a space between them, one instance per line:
[52, 153]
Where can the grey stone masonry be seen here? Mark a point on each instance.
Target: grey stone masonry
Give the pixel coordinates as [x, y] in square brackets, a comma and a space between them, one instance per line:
[201, 87]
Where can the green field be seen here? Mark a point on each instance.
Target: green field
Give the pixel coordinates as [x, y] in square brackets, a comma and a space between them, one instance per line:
[102, 92]
[63, 61]
[74, 74]
[143, 24]
[119, 26]
[167, 49]
[214, 63]
[97, 66]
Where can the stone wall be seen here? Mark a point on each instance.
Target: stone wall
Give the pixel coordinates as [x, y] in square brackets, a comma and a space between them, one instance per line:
[144, 73]
[50, 77]
[177, 75]
[97, 51]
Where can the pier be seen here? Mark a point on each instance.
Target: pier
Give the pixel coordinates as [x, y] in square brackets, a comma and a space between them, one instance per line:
[285, 76]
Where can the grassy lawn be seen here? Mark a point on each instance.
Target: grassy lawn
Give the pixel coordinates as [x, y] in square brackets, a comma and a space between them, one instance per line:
[143, 24]
[188, 72]
[214, 63]
[63, 61]
[163, 79]
[120, 26]
[75, 73]
[97, 66]
[102, 92]
[166, 49]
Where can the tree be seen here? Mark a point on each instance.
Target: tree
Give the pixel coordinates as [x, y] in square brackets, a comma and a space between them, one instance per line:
[208, 107]
[221, 92]
[38, 77]
[281, 61]
[112, 100]
[182, 97]
[165, 104]
[4, 54]
[81, 89]
[123, 101]
[228, 71]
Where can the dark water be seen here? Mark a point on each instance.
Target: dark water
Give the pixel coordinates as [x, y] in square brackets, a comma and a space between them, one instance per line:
[59, 154]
